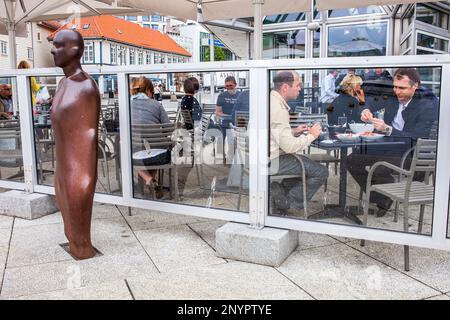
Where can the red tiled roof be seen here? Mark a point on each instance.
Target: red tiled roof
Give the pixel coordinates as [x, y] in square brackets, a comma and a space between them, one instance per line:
[112, 28]
[52, 25]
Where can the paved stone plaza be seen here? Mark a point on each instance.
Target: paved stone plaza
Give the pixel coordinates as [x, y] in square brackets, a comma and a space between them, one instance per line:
[155, 255]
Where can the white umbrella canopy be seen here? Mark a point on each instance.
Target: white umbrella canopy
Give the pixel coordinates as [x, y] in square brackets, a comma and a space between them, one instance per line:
[221, 9]
[341, 4]
[15, 13]
[215, 9]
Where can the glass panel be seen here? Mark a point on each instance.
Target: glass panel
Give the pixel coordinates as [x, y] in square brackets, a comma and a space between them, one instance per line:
[427, 41]
[280, 18]
[284, 44]
[406, 45]
[328, 139]
[108, 170]
[354, 11]
[193, 148]
[11, 160]
[448, 219]
[357, 40]
[431, 16]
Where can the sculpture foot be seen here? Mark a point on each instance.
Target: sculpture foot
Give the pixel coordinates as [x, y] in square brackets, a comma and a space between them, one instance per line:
[81, 252]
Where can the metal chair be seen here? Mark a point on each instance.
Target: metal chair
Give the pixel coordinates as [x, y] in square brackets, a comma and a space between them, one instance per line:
[10, 147]
[160, 136]
[326, 158]
[407, 191]
[242, 152]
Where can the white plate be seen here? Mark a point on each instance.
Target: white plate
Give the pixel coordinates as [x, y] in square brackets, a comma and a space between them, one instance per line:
[348, 137]
[376, 136]
[327, 141]
[144, 154]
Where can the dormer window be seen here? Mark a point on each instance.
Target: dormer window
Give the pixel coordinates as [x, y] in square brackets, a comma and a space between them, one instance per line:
[86, 26]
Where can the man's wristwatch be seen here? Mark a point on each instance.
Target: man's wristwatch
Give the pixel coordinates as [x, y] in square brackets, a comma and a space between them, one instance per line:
[388, 130]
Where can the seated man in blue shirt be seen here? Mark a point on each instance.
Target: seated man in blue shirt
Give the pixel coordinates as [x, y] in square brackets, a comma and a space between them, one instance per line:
[408, 116]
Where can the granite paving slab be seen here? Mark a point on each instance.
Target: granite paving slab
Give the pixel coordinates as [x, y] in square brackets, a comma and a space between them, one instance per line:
[176, 247]
[207, 230]
[429, 266]
[235, 280]
[116, 290]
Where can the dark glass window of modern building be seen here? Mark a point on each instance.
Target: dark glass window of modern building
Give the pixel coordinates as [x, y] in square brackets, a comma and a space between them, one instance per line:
[427, 41]
[357, 40]
[284, 44]
[354, 11]
[280, 18]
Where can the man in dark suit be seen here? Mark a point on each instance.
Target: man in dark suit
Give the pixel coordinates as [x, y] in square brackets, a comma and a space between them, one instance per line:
[408, 115]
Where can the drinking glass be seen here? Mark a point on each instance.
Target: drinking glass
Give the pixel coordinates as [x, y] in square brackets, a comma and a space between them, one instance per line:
[342, 121]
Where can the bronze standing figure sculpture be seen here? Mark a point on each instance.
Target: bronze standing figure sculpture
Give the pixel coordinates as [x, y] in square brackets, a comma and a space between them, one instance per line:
[75, 116]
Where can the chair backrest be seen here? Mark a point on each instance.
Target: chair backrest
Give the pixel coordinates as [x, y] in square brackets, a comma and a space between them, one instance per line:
[206, 119]
[309, 119]
[303, 110]
[242, 143]
[186, 117]
[10, 129]
[172, 115]
[208, 108]
[424, 159]
[241, 118]
[152, 135]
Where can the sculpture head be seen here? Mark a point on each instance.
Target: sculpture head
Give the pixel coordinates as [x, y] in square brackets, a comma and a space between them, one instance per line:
[68, 46]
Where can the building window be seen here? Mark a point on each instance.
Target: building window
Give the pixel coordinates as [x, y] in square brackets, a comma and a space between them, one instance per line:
[155, 27]
[113, 54]
[146, 25]
[316, 44]
[169, 59]
[431, 44]
[284, 44]
[88, 56]
[156, 18]
[145, 18]
[86, 26]
[281, 18]
[163, 58]
[132, 57]
[121, 56]
[148, 58]
[140, 57]
[132, 18]
[431, 16]
[157, 58]
[357, 40]
[338, 13]
[3, 48]
[30, 53]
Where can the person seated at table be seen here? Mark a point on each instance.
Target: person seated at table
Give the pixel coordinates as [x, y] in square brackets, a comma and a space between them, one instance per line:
[6, 104]
[189, 102]
[348, 103]
[242, 107]
[287, 197]
[225, 103]
[377, 74]
[146, 110]
[407, 117]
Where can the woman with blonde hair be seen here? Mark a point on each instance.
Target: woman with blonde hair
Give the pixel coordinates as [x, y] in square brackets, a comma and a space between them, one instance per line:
[34, 86]
[146, 110]
[349, 102]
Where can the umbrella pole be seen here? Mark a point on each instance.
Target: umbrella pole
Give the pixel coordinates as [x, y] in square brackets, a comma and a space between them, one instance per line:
[257, 34]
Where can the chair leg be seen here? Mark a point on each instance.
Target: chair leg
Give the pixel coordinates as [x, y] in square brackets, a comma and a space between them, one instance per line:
[240, 191]
[366, 212]
[396, 212]
[177, 195]
[406, 256]
[360, 199]
[129, 211]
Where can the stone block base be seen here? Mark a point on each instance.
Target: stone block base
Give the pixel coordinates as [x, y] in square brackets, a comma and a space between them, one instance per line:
[268, 246]
[24, 205]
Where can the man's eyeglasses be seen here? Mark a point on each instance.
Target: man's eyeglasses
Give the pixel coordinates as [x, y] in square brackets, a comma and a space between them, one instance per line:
[401, 88]
[231, 86]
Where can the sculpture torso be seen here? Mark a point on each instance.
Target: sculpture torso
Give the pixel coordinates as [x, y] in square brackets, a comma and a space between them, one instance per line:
[75, 116]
